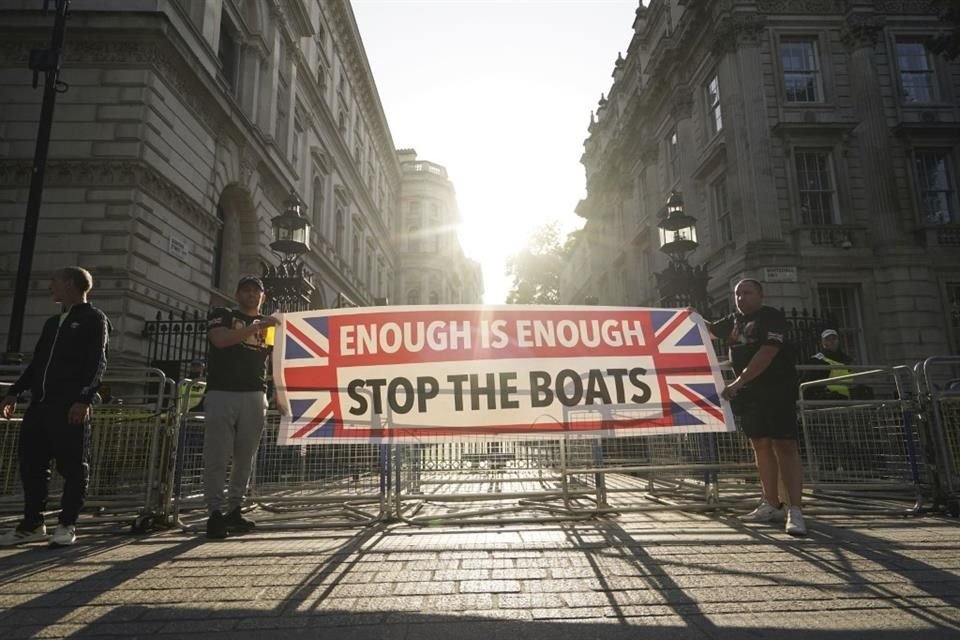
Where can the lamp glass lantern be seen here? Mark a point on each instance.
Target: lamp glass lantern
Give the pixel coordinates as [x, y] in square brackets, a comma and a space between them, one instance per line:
[678, 231]
[291, 229]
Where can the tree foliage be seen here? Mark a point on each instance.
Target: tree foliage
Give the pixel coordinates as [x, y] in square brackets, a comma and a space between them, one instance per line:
[536, 268]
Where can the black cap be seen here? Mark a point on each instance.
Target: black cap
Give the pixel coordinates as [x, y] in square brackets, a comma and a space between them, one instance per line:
[251, 280]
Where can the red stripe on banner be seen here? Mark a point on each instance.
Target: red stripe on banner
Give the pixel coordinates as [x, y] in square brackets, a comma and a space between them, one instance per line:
[575, 427]
[309, 379]
[700, 402]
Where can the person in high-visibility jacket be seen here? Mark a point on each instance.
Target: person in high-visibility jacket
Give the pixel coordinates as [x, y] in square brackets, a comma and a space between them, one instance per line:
[193, 391]
[831, 354]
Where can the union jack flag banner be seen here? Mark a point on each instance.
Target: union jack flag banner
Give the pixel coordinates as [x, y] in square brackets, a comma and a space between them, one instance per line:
[425, 374]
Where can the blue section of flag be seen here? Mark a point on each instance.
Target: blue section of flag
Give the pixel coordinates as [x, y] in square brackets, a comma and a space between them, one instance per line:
[299, 407]
[660, 318]
[294, 351]
[682, 417]
[707, 391]
[692, 339]
[325, 431]
[320, 324]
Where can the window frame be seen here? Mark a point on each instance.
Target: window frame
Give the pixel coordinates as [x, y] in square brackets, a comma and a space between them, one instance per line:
[229, 53]
[953, 208]
[819, 86]
[723, 217]
[714, 109]
[930, 71]
[673, 156]
[831, 173]
[849, 320]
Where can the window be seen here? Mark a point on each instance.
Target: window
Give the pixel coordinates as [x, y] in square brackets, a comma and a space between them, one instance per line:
[338, 232]
[714, 117]
[380, 283]
[841, 303]
[434, 297]
[228, 51]
[297, 144]
[434, 227]
[368, 266]
[322, 78]
[673, 155]
[413, 227]
[216, 276]
[953, 308]
[413, 297]
[283, 103]
[355, 254]
[815, 185]
[318, 205]
[413, 238]
[721, 210]
[801, 71]
[935, 185]
[918, 82]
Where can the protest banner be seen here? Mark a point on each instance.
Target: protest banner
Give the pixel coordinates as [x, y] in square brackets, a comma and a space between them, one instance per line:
[438, 373]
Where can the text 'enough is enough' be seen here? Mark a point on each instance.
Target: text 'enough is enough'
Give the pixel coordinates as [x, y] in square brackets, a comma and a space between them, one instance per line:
[443, 335]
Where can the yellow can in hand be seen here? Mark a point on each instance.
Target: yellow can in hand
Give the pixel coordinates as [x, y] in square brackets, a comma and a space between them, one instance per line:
[269, 335]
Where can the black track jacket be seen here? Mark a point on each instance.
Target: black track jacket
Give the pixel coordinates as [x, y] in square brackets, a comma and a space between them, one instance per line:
[69, 359]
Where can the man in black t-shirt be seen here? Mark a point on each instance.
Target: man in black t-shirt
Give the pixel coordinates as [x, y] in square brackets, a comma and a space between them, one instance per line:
[235, 404]
[764, 396]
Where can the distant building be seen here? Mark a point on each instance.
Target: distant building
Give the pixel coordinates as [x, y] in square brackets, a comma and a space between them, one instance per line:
[185, 127]
[816, 143]
[433, 267]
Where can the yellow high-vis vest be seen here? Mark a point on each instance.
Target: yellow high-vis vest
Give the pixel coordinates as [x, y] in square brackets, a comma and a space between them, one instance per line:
[839, 389]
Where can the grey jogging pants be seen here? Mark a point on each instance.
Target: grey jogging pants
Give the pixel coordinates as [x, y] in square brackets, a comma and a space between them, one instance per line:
[233, 424]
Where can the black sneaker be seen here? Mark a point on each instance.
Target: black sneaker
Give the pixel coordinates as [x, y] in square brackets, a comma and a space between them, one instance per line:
[217, 526]
[236, 523]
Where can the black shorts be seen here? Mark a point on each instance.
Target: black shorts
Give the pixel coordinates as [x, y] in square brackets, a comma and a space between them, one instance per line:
[769, 415]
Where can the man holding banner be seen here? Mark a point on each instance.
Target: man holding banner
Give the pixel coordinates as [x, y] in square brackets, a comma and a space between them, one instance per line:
[764, 395]
[235, 403]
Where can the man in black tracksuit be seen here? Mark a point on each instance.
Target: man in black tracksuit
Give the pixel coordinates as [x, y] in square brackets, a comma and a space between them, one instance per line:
[67, 366]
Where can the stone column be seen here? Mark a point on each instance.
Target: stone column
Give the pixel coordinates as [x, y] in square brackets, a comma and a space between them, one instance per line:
[872, 133]
[749, 151]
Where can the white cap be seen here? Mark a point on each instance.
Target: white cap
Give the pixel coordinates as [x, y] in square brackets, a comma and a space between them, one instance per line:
[829, 332]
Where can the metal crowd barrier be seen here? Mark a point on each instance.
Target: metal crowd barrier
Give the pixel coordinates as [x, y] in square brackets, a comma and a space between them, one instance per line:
[879, 451]
[297, 486]
[938, 392]
[479, 479]
[128, 442]
[867, 448]
[864, 453]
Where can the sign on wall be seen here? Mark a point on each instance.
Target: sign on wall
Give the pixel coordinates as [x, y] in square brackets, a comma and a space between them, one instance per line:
[438, 373]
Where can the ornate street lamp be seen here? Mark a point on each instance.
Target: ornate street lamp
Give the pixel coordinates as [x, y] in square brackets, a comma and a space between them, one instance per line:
[289, 285]
[680, 284]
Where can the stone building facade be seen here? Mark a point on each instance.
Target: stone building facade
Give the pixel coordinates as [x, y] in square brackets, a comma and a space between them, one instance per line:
[185, 128]
[433, 267]
[817, 145]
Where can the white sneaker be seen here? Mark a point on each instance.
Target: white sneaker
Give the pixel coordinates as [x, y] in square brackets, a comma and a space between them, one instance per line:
[22, 535]
[64, 536]
[766, 512]
[795, 524]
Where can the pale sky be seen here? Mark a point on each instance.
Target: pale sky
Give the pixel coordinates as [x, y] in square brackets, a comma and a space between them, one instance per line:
[500, 93]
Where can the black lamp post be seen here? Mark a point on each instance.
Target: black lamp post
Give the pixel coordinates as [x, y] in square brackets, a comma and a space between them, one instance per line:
[49, 62]
[680, 284]
[289, 285]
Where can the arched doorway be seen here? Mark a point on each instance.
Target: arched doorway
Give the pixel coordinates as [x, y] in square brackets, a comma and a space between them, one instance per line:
[235, 249]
